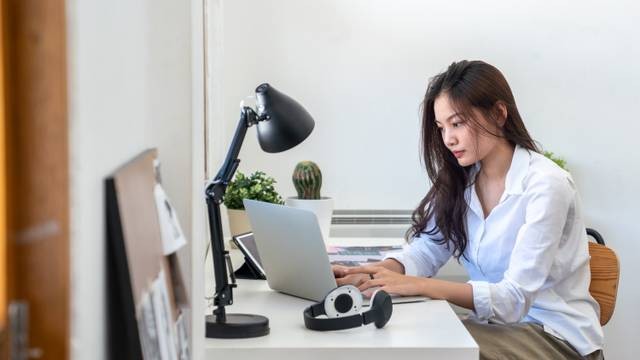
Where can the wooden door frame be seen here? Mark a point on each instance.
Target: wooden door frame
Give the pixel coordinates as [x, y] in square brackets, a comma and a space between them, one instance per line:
[4, 247]
[37, 166]
[3, 200]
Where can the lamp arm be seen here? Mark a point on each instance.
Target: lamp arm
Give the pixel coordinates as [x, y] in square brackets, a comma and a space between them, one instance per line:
[214, 194]
[248, 117]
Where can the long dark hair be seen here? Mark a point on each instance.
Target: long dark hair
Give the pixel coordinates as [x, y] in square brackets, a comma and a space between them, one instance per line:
[469, 85]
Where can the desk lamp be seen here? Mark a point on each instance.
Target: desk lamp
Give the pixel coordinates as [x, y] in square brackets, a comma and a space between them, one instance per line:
[282, 124]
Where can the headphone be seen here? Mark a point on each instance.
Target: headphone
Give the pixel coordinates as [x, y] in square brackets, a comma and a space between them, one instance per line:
[342, 307]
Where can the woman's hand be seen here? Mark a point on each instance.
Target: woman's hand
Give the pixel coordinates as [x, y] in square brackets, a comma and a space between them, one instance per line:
[387, 280]
[340, 273]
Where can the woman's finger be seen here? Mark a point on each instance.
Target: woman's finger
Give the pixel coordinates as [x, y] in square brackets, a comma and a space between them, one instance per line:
[363, 270]
[371, 283]
[355, 279]
[338, 270]
[357, 270]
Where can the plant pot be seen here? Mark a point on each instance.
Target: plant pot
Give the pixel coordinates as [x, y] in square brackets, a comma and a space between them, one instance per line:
[323, 208]
[238, 222]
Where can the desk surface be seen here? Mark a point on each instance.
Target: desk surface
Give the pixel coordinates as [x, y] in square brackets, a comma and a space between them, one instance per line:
[424, 330]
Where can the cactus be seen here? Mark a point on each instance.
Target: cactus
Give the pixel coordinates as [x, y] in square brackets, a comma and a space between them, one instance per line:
[307, 179]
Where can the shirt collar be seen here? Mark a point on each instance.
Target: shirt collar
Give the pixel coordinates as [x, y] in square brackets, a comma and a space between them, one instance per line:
[517, 171]
[513, 183]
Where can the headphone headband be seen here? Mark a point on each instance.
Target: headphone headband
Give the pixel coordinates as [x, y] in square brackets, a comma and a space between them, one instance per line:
[380, 311]
[312, 322]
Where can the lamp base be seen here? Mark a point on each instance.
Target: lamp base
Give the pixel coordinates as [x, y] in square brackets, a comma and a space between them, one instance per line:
[237, 326]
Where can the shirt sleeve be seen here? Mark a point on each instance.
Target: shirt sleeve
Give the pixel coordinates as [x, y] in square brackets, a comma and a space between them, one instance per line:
[550, 201]
[422, 256]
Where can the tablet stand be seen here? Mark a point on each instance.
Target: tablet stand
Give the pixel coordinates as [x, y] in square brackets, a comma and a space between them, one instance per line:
[249, 271]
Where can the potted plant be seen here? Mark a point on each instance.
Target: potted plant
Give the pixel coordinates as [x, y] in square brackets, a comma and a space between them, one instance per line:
[307, 180]
[559, 161]
[257, 186]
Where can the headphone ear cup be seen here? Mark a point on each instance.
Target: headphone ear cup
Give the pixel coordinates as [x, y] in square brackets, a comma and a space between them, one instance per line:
[381, 308]
[343, 301]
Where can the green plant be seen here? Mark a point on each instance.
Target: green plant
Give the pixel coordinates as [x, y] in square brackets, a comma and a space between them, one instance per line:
[560, 161]
[307, 180]
[258, 186]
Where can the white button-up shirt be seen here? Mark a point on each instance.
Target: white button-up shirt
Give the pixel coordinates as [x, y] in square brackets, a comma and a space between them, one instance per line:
[529, 259]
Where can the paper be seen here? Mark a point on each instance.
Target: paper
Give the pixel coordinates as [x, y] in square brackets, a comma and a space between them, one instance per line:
[170, 230]
[363, 250]
[160, 338]
[147, 329]
[359, 255]
[164, 321]
[183, 339]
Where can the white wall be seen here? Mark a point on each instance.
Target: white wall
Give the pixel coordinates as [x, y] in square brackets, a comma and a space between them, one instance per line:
[360, 67]
[130, 88]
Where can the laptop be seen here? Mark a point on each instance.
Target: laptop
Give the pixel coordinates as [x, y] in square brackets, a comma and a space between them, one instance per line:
[293, 253]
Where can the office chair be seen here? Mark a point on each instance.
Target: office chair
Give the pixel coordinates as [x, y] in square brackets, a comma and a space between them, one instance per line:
[605, 273]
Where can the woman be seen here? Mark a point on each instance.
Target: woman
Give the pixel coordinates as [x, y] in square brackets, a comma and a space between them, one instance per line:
[510, 215]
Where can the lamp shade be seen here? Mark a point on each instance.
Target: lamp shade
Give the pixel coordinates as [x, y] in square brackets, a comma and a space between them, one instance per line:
[287, 123]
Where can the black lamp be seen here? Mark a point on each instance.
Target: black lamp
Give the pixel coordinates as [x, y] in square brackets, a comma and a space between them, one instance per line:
[282, 124]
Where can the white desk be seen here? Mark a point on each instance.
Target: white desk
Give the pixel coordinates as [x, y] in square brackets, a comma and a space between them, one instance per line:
[425, 330]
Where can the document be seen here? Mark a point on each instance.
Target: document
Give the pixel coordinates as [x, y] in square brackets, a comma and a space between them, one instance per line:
[170, 230]
[160, 338]
[359, 255]
[164, 320]
[147, 329]
[183, 339]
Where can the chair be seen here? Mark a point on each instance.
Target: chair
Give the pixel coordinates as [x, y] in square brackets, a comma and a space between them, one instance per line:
[605, 273]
